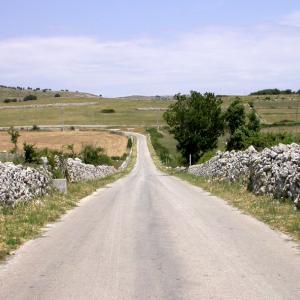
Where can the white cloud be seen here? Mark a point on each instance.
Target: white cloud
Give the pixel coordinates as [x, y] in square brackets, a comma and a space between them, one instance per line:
[224, 60]
[292, 19]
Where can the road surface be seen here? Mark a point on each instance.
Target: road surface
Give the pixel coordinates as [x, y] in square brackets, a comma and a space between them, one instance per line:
[151, 236]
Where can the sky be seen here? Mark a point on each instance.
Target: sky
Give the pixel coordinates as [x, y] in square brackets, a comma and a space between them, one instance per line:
[157, 47]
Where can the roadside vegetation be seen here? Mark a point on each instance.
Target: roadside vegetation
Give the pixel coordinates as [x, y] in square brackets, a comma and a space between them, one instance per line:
[242, 128]
[26, 220]
[278, 214]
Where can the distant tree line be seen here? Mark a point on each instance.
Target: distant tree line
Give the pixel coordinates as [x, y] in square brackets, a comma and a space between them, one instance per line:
[20, 88]
[274, 92]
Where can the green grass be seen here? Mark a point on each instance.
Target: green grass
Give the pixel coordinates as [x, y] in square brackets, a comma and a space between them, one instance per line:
[26, 220]
[126, 113]
[277, 109]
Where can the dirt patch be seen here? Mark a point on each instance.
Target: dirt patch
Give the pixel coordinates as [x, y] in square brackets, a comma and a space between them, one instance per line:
[114, 145]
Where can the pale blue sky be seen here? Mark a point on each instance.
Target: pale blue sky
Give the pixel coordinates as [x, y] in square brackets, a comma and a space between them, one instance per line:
[150, 47]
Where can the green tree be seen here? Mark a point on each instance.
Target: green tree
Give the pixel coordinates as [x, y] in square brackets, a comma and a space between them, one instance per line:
[14, 135]
[239, 139]
[246, 135]
[235, 116]
[196, 121]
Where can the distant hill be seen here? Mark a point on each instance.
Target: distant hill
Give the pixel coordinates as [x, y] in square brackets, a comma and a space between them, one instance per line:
[140, 97]
[19, 93]
[274, 92]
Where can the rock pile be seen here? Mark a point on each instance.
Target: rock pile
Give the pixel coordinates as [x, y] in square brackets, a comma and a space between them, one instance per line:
[19, 183]
[274, 171]
[79, 171]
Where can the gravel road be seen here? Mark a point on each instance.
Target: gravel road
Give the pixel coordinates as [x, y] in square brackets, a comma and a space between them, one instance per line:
[151, 236]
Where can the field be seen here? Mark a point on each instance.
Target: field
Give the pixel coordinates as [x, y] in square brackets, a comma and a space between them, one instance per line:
[113, 144]
[127, 113]
[135, 112]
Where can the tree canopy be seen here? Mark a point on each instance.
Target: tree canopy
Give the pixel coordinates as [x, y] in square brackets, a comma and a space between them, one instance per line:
[196, 120]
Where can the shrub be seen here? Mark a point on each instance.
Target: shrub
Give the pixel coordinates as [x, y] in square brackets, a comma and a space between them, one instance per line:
[10, 100]
[29, 98]
[35, 128]
[14, 135]
[129, 143]
[57, 95]
[94, 155]
[207, 156]
[161, 151]
[270, 139]
[108, 111]
[72, 128]
[30, 154]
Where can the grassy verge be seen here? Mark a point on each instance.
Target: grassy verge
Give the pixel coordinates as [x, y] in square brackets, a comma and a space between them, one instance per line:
[26, 220]
[279, 215]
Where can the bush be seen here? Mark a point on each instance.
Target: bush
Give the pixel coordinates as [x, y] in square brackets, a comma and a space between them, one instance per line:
[72, 128]
[30, 97]
[270, 139]
[57, 95]
[129, 143]
[58, 171]
[108, 111]
[207, 156]
[10, 100]
[35, 128]
[94, 155]
[162, 152]
[14, 135]
[30, 154]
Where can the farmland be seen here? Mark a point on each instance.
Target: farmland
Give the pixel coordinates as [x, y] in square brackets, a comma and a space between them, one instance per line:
[113, 144]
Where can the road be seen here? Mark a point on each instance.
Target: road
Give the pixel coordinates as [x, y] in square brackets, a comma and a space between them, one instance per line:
[152, 236]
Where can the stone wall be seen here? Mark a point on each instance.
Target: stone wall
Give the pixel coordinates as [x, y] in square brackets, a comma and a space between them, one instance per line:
[79, 171]
[274, 171]
[19, 183]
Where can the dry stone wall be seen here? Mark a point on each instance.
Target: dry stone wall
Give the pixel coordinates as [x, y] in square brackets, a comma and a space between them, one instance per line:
[274, 171]
[78, 171]
[19, 183]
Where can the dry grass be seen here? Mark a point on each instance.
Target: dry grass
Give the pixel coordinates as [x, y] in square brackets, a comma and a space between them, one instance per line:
[113, 144]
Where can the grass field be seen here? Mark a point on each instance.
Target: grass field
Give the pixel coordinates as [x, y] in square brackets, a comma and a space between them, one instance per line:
[113, 144]
[272, 109]
[127, 113]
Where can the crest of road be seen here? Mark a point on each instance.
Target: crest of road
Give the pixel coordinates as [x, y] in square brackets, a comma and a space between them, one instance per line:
[152, 236]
